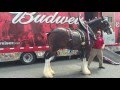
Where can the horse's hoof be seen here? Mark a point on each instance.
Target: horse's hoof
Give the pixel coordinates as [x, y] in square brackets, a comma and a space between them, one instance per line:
[87, 73]
[52, 72]
[48, 74]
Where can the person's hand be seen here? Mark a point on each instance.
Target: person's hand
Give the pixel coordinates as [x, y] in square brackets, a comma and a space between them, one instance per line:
[103, 47]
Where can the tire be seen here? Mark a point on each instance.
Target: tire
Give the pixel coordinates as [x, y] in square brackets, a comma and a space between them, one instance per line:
[28, 58]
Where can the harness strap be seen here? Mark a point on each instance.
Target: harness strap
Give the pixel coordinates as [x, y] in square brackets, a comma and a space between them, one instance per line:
[69, 33]
[70, 43]
[82, 35]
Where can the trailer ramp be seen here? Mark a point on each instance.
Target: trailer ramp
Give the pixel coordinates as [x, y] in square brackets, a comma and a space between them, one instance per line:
[111, 57]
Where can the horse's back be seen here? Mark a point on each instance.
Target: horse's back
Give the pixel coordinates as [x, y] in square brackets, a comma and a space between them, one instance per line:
[64, 38]
[58, 38]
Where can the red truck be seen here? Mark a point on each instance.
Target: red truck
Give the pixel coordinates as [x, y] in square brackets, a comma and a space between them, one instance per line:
[23, 35]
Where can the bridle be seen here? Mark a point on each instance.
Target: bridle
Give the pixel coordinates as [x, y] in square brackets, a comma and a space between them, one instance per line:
[106, 28]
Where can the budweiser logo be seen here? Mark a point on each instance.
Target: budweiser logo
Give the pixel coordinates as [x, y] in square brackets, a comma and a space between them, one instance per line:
[39, 18]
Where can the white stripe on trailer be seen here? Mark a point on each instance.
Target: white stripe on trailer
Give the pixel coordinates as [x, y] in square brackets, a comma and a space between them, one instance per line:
[30, 47]
[47, 46]
[11, 48]
[1, 48]
[21, 47]
[39, 47]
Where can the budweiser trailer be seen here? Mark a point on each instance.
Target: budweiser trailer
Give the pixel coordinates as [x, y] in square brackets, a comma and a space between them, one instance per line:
[23, 35]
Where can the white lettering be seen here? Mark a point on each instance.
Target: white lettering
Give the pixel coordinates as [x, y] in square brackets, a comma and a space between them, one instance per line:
[39, 19]
[57, 20]
[71, 20]
[29, 20]
[19, 16]
[117, 24]
[62, 20]
[76, 21]
[50, 18]
[15, 19]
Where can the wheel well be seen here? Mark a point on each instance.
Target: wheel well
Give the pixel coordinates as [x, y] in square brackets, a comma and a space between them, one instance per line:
[35, 55]
[28, 52]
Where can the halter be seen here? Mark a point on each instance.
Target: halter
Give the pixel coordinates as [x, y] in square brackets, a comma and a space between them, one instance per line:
[82, 36]
[88, 35]
[106, 28]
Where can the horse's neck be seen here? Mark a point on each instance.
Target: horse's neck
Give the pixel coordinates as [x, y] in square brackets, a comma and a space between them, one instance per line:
[86, 38]
[94, 25]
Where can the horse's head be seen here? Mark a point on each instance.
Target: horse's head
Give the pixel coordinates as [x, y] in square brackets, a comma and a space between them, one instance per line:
[105, 26]
[100, 23]
[83, 25]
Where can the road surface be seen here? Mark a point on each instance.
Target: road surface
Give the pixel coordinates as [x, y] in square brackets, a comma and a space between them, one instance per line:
[63, 69]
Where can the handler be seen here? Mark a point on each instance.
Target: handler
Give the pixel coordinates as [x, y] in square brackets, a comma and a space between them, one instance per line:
[97, 50]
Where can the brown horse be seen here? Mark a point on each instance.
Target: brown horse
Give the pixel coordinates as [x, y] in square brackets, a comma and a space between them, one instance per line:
[80, 40]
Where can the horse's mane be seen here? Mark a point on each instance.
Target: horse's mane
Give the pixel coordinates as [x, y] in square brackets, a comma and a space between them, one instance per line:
[94, 20]
[55, 29]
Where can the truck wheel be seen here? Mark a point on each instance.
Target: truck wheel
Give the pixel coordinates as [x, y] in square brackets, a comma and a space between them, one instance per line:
[27, 58]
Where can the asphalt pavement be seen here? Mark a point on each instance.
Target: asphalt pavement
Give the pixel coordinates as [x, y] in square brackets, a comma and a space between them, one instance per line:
[62, 68]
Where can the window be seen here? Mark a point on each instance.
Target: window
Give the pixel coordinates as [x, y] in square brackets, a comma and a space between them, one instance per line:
[109, 19]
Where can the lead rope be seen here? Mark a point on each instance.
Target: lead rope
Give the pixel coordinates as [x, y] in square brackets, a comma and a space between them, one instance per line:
[83, 42]
[88, 35]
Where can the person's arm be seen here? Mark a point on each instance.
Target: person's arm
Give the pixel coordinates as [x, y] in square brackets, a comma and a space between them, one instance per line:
[103, 46]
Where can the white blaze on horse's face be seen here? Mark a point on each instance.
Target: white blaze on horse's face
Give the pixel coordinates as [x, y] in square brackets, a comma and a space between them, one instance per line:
[111, 29]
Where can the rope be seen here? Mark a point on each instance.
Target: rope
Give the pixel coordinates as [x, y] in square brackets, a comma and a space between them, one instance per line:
[88, 35]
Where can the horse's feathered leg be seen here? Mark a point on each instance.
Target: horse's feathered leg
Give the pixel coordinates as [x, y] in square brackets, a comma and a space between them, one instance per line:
[49, 65]
[48, 72]
[84, 66]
